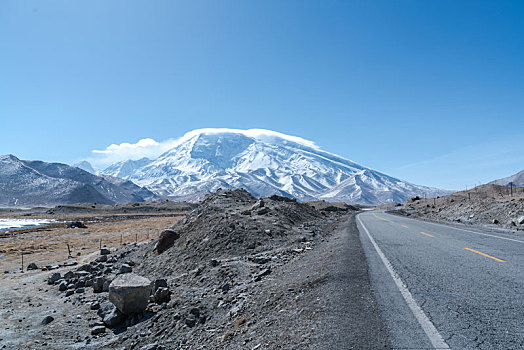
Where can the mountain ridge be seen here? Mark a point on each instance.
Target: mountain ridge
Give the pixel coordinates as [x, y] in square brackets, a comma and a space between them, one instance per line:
[30, 183]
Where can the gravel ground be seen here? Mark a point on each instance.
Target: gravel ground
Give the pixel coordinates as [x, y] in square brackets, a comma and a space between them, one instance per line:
[244, 274]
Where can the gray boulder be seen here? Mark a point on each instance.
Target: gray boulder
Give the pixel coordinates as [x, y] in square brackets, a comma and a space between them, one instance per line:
[130, 293]
[32, 266]
[520, 220]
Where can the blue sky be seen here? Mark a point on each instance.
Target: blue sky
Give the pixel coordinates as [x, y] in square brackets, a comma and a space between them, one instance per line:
[428, 91]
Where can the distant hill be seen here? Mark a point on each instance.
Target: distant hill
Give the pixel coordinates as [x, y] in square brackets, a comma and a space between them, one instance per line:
[516, 179]
[31, 183]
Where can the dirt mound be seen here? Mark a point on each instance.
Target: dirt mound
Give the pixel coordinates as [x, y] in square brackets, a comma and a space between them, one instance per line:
[221, 256]
[232, 223]
[216, 280]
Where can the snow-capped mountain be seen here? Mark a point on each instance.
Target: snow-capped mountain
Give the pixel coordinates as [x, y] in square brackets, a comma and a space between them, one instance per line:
[264, 163]
[125, 168]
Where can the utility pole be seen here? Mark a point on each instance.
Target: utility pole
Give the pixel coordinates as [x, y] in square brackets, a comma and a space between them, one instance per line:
[511, 189]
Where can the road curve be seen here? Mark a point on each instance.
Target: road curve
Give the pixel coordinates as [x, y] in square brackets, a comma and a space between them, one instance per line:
[441, 287]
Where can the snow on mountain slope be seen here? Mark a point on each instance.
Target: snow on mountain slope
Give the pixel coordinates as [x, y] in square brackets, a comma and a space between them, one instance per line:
[125, 168]
[264, 163]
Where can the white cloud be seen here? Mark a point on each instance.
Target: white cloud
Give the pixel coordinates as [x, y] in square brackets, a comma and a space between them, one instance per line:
[151, 149]
[117, 152]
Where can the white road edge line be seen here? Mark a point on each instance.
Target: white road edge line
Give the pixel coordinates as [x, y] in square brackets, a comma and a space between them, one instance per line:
[434, 336]
[461, 229]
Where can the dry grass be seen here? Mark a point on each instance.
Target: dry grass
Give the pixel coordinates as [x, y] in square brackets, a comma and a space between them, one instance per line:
[48, 246]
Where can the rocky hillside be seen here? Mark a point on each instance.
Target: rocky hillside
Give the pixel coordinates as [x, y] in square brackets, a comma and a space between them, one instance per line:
[516, 180]
[493, 205]
[216, 280]
[31, 183]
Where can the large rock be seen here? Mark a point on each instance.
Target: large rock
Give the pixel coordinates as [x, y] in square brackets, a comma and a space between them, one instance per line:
[130, 293]
[166, 240]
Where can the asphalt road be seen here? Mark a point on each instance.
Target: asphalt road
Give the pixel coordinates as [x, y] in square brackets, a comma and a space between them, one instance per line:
[441, 287]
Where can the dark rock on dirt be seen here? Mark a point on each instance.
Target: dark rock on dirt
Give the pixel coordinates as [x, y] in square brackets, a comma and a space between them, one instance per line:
[32, 266]
[166, 240]
[161, 295]
[98, 330]
[263, 273]
[47, 320]
[53, 278]
[114, 318]
[263, 211]
[76, 224]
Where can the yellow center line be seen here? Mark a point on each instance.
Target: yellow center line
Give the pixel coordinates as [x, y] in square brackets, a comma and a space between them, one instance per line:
[381, 218]
[404, 226]
[486, 255]
[427, 234]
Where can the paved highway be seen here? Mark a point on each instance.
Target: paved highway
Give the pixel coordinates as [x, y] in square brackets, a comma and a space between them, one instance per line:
[441, 287]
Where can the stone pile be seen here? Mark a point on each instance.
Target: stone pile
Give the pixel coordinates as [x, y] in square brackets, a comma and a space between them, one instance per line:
[125, 295]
